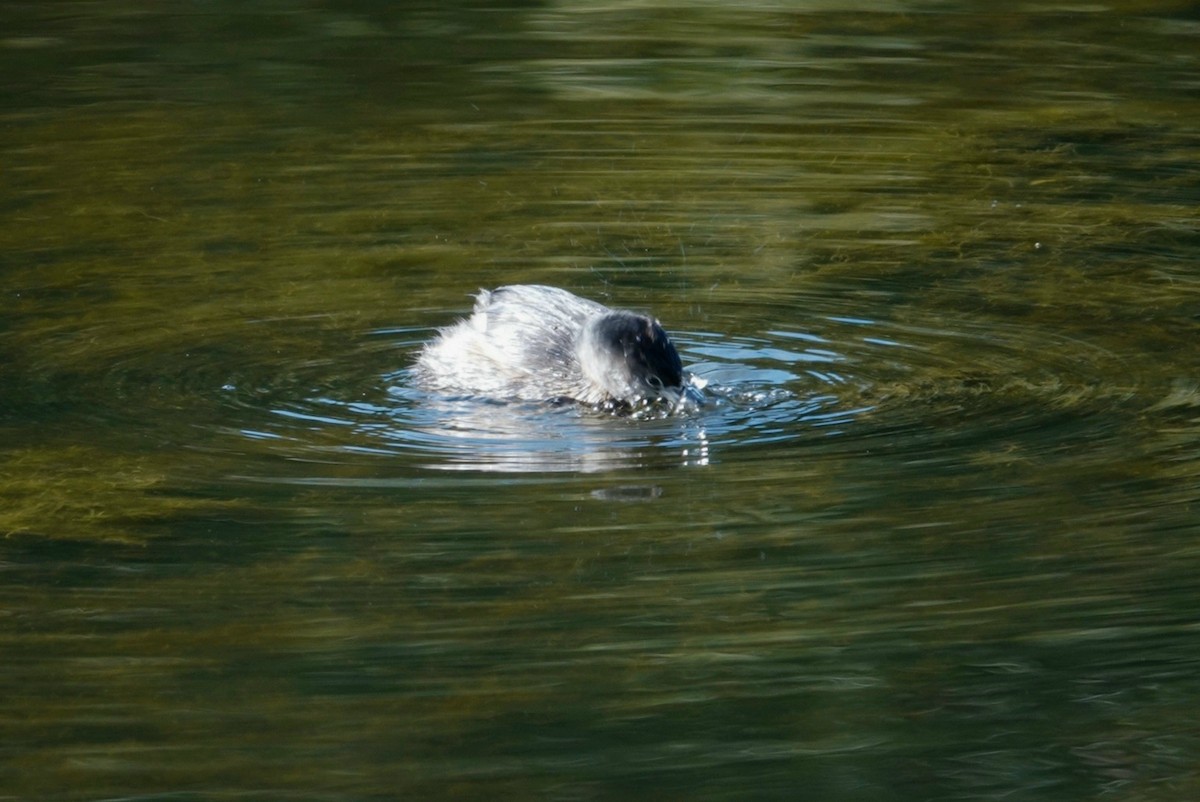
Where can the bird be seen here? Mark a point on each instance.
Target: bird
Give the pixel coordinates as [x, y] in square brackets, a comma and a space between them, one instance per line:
[531, 342]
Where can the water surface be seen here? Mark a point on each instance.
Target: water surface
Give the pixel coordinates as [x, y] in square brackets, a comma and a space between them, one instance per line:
[934, 537]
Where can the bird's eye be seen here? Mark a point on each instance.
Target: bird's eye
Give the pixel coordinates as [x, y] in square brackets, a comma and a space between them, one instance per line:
[655, 382]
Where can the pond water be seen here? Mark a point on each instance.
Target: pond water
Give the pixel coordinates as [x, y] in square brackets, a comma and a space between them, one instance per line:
[935, 537]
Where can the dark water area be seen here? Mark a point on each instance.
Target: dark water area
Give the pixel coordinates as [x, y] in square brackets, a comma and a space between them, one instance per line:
[934, 536]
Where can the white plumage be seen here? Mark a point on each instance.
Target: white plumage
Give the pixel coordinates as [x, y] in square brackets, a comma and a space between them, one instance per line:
[536, 343]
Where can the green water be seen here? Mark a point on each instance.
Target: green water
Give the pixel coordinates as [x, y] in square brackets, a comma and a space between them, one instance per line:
[936, 537]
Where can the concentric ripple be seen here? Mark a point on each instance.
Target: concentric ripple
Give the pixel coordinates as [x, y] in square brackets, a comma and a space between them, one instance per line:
[837, 385]
[844, 386]
[757, 390]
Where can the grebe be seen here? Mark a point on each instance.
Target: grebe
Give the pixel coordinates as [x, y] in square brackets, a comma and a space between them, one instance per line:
[534, 343]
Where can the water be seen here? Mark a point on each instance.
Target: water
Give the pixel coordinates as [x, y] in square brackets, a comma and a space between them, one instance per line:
[934, 537]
